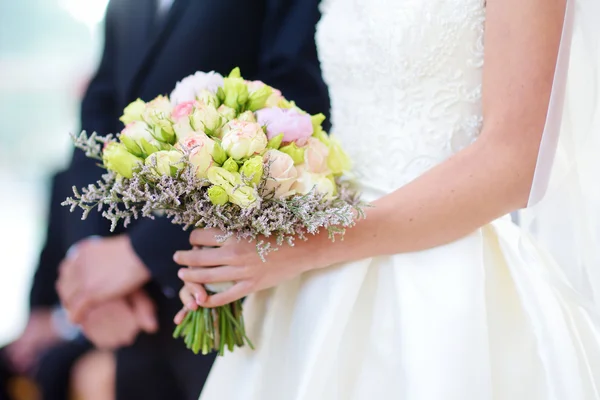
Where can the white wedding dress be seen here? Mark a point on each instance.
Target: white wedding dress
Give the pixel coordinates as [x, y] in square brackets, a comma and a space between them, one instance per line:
[477, 319]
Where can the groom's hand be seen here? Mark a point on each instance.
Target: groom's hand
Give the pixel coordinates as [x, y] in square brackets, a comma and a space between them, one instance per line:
[96, 271]
[117, 322]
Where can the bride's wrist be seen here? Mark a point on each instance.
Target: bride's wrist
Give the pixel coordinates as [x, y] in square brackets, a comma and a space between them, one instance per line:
[321, 251]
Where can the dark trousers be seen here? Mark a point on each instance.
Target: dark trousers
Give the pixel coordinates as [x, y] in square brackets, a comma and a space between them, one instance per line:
[53, 371]
[158, 367]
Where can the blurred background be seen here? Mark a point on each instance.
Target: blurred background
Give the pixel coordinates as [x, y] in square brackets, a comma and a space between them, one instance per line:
[48, 49]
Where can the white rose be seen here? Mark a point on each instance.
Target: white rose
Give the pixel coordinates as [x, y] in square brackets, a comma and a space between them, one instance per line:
[307, 181]
[133, 112]
[183, 129]
[243, 139]
[137, 138]
[138, 130]
[281, 173]
[189, 88]
[165, 162]
[315, 156]
[201, 149]
[207, 119]
[157, 110]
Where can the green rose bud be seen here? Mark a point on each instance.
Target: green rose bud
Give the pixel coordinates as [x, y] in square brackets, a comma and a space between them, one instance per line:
[258, 98]
[149, 148]
[338, 161]
[133, 112]
[247, 116]
[227, 113]
[137, 137]
[322, 137]
[165, 162]
[297, 153]
[252, 169]
[221, 177]
[317, 121]
[132, 146]
[220, 95]
[217, 195]
[218, 154]
[208, 98]
[236, 93]
[243, 196]
[284, 103]
[275, 142]
[207, 119]
[231, 165]
[163, 132]
[116, 158]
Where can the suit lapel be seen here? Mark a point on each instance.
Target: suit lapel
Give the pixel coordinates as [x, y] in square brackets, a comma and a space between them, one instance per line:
[157, 35]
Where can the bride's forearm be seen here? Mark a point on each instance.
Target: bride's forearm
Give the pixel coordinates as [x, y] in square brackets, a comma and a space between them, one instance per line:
[492, 177]
[481, 183]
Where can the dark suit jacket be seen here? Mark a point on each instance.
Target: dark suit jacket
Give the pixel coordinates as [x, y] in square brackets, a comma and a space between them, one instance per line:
[270, 40]
[43, 292]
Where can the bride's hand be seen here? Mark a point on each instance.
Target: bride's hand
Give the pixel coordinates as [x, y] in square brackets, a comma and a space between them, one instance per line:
[191, 294]
[238, 262]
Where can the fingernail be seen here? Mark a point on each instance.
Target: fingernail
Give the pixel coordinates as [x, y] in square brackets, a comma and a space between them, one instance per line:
[180, 274]
[191, 306]
[198, 299]
[176, 256]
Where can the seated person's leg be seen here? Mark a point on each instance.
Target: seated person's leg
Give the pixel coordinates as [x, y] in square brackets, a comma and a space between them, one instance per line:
[143, 373]
[93, 376]
[5, 375]
[53, 373]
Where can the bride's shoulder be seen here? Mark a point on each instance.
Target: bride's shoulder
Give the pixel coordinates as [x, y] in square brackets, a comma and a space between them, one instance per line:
[324, 5]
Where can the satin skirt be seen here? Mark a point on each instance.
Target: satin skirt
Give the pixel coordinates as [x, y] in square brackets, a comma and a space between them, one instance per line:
[487, 317]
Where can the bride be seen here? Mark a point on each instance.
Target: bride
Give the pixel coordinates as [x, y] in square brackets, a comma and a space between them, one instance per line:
[436, 295]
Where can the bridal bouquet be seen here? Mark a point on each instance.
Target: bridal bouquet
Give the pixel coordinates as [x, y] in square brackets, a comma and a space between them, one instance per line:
[222, 153]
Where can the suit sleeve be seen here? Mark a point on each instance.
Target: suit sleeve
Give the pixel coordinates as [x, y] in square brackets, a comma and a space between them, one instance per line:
[98, 114]
[43, 292]
[288, 61]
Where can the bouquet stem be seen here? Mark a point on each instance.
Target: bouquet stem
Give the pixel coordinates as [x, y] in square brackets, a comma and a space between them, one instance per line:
[214, 329]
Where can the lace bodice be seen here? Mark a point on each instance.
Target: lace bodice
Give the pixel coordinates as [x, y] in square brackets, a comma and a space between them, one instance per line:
[405, 82]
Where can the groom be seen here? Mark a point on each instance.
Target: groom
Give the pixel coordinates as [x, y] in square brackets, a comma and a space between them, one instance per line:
[149, 46]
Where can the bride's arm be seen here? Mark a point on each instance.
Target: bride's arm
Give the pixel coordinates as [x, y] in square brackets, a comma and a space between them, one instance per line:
[488, 179]
[492, 177]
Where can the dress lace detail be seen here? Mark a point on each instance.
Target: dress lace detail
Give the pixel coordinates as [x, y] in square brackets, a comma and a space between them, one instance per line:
[412, 89]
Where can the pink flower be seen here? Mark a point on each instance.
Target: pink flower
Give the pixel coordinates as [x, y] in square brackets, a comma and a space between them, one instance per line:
[201, 149]
[315, 156]
[198, 139]
[282, 173]
[183, 110]
[296, 127]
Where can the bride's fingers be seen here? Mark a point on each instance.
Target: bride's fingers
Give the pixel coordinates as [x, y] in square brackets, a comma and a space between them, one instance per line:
[198, 292]
[202, 257]
[205, 237]
[236, 292]
[188, 298]
[180, 316]
[212, 275]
